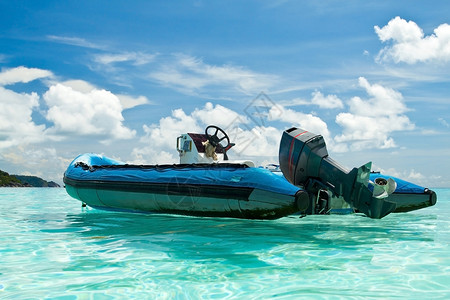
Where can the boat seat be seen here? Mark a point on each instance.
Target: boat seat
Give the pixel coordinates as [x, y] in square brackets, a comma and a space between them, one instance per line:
[199, 139]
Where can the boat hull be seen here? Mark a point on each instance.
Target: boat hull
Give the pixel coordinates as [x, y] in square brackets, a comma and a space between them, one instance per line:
[210, 190]
[217, 190]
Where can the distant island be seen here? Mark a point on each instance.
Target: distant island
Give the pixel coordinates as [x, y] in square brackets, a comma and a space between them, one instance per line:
[7, 180]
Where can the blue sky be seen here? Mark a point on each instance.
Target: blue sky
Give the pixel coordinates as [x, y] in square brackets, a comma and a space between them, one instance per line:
[125, 78]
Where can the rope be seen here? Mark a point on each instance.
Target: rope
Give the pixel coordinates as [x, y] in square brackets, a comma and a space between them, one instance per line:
[186, 167]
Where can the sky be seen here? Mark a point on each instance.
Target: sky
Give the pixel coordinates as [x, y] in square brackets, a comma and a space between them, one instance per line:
[125, 78]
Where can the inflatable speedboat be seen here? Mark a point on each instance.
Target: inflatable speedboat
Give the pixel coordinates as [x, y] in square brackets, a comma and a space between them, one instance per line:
[207, 183]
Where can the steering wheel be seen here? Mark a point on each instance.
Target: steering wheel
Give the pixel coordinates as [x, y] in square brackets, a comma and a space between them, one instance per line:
[214, 138]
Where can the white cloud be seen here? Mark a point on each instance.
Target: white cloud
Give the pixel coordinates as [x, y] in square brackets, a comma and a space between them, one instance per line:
[217, 115]
[150, 155]
[97, 112]
[74, 41]
[169, 128]
[136, 58]
[384, 101]
[369, 123]
[415, 176]
[410, 45]
[319, 99]
[366, 132]
[308, 122]
[255, 142]
[159, 139]
[122, 68]
[17, 126]
[126, 101]
[22, 74]
[329, 101]
[80, 85]
[294, 102]
[75, 107]
[189, 74]
[444, 122]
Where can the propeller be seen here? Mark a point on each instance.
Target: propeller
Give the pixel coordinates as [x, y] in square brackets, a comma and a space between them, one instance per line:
[382, 188]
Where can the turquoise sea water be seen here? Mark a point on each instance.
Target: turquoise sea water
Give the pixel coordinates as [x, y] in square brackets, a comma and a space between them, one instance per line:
[52, 248]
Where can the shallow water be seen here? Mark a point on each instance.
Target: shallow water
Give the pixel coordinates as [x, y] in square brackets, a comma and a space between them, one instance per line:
[51, 247]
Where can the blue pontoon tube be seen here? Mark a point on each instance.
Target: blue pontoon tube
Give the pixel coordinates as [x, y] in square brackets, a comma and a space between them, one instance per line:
[207, 183]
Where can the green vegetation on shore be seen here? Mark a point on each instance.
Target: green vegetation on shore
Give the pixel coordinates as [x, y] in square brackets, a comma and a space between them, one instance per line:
[7, 180]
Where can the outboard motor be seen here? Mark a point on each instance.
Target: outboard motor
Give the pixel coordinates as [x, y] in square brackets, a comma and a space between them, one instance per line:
[304, 162]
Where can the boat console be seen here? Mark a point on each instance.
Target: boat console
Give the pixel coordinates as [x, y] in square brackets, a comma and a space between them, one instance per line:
[210, 147]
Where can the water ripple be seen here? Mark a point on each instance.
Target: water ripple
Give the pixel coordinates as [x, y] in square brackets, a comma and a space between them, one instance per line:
[50, 247]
